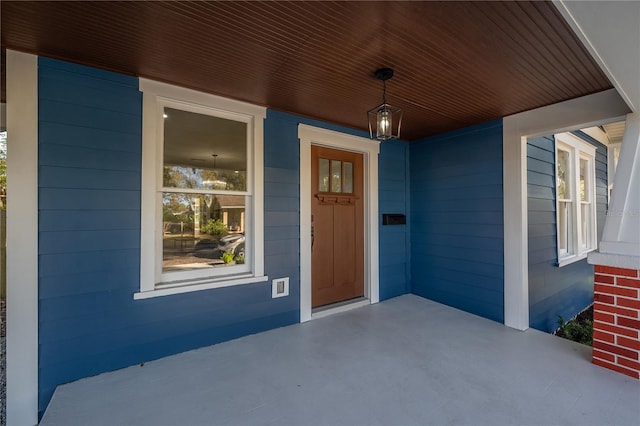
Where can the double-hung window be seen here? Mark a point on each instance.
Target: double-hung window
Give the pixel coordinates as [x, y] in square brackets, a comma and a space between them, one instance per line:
[202, 191]
[575, 198]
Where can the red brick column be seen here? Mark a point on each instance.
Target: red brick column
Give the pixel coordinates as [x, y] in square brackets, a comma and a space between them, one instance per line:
[616, 315]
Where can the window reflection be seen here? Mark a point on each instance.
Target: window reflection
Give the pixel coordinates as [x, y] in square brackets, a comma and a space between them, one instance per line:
[204, 152]
[199, 229]
[336, 176]
[323, 175]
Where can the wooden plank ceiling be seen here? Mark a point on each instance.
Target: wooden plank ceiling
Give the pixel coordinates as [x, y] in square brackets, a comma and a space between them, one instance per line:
[456, 63]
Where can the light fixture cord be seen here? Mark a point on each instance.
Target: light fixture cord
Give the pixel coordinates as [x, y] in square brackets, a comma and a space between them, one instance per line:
[384, 91]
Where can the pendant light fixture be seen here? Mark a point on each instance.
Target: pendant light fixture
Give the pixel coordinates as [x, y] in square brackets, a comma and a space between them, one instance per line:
[384, 120]
[215, 183]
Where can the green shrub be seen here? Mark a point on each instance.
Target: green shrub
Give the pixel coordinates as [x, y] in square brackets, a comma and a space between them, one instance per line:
[239, 260]
[581, 332]
[214, 227]
[227, 257]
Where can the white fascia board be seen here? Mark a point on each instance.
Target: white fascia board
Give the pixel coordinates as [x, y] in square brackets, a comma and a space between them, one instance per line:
[610, 32]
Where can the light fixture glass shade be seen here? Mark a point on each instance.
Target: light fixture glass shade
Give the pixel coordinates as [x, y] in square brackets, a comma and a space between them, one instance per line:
[384, 122]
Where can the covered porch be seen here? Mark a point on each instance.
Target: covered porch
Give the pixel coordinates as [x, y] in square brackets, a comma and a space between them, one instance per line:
[407, 360]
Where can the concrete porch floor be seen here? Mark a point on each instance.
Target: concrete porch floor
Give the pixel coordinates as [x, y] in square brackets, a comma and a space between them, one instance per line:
[405, 361]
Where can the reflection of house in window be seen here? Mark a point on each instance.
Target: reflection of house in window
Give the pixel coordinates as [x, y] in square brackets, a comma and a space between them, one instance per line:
[232, 212]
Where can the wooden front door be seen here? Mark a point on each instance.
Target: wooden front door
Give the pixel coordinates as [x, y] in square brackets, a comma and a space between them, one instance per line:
[337, 224]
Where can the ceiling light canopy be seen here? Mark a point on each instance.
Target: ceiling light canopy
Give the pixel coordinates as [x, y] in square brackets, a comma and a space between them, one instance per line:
[384, 120]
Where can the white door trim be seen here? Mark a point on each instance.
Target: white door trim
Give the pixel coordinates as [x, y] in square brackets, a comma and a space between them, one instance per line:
[22, 238]
[587, 111]
[308, 136]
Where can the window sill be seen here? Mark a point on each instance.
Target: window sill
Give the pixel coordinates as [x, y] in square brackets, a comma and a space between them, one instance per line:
[572, 259]
[167, 289]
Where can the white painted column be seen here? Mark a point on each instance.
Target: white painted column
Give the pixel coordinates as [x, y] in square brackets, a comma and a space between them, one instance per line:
[587, 111]
[516, 251]
[22, 238]
[620, 245]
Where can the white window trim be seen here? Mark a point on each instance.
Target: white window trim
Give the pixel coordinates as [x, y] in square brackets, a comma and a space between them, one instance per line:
[155, 95]
[176, 278]
[578, 149]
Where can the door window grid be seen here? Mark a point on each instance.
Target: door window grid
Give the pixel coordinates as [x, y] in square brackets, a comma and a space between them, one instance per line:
[335, 176]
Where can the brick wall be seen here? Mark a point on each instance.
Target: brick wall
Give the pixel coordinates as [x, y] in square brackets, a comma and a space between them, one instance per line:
[616, 313]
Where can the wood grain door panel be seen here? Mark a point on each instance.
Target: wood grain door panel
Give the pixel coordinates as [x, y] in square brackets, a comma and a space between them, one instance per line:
[337, 255]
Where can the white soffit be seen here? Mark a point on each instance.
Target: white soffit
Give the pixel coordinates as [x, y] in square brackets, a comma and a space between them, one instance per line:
[610, 31]
[615, 131]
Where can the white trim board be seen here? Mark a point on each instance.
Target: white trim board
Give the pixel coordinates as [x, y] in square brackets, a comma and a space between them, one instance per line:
[22, 238]
[308, 136]
[621, 234]
[575, 114]
[609, 31]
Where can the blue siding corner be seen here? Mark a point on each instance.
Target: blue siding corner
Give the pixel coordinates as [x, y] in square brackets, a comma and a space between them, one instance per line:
[457, 236]
[393, 197]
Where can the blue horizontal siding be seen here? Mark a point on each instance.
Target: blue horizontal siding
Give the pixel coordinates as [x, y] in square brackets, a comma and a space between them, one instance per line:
[85, 116]
[457, 233]
[58, 155]
[62, 264]
[393, 198]
[49, 138]
[63, 177]
[90, 130]
[84, 220]
[554, 290]
[90, 137]
[66, 284]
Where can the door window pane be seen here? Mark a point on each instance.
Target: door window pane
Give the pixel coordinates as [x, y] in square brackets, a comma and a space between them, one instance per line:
[336, 176]
[348, 178]
[204, 152]
[323, 175]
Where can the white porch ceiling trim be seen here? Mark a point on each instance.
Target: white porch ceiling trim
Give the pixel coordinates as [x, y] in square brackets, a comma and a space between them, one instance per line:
[611, 33]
